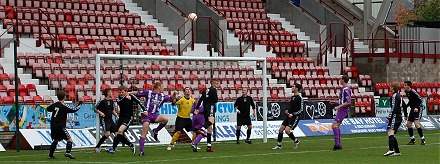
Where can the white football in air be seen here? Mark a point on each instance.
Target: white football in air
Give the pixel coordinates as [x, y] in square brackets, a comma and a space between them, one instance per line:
[192, 17]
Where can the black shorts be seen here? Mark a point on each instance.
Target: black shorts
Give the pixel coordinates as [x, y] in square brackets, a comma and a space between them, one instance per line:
[209, 111]
[243, 120]
[394, 123]
[108, 125]
[59, 133]
[291, 122]
[126, 121]
[182, 123]
[414, 115]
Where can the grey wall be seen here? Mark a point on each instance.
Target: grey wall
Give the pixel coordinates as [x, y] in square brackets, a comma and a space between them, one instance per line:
[147, 5]
[202, 24]
[161, 11]
[399, 72]
[302, 20]
[420, 33]
[295, 16]
[169, 16]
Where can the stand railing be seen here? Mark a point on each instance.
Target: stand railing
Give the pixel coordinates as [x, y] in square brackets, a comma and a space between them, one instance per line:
[175, 7]
[402, 48]
[336, 12]
[330, 43]
[181, 49]
[212, 36]
[305, 11]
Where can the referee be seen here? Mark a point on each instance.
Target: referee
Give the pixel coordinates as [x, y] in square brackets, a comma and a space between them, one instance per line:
[243, 104]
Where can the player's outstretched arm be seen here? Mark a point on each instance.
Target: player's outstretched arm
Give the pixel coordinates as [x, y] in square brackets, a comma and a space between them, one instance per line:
[77, 106]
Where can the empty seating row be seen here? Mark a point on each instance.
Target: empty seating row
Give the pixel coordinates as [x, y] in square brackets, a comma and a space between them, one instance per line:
[314, 80]
[80, 28]
[289, 62]
[67, 15]
[256, 4]
[108, 40]
[24, 90]
[249, 35]
[284, 46]
[253, 24]
[423, 88]
[98, 5]
[246, 13]
[287, 72]
[26, 100]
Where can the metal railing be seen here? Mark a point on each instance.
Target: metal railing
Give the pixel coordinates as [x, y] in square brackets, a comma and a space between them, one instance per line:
[336, 12]
[175, 7]
[330, 44]
[305, 11]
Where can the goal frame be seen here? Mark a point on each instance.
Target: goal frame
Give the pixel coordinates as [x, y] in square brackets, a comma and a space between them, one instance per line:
[98, 58]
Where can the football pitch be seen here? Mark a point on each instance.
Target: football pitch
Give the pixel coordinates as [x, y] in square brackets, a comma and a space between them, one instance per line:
[358, 148]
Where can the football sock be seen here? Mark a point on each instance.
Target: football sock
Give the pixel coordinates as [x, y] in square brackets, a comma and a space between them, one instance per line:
[237, 133]
[175, 137]
[292, 136]
[419, 130]
[68, 147]
[103, 138]
[411, 133]
[248, 135]
[141, 144]
[53, 146]
[280, 138]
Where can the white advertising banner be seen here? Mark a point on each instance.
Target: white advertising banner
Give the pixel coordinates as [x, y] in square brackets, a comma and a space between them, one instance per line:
[82, 138]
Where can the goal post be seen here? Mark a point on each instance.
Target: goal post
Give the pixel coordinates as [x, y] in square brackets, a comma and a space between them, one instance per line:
[100, 57]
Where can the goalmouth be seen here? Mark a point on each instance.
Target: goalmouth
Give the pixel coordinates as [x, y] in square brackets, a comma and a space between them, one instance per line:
[99, 57]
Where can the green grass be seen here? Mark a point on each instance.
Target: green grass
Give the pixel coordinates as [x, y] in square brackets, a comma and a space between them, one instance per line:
[360, 148]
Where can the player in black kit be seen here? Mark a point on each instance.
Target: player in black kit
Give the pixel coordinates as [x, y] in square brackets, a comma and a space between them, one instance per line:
[292, 119]
[125, 102]
[209, 98]
[415, 114]
[243, 105]
[58, 123]
[105, 108]
[394, 120]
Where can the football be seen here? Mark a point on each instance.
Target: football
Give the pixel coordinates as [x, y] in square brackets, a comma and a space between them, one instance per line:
[192, 17]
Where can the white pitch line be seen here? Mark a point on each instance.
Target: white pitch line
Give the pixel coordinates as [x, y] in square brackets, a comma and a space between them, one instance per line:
[159, 147]
[216, 157]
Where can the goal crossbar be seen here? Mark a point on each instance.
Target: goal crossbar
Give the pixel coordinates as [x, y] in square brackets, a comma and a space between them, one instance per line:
[153, 57]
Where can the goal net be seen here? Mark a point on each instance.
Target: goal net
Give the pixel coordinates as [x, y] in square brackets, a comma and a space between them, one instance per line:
[140, 72]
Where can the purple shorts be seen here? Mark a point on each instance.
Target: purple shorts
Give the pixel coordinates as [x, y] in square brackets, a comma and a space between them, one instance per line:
[151, 118]
[341, 114]
[198, 121]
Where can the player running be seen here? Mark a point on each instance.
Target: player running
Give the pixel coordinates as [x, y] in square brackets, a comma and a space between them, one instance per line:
[126, 106]
[292, 119]
[105, 108]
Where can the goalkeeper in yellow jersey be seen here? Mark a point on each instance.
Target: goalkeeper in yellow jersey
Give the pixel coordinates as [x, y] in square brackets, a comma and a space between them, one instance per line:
[183, 119]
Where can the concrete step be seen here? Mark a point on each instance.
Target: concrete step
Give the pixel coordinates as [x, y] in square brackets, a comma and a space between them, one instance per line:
[165, 34]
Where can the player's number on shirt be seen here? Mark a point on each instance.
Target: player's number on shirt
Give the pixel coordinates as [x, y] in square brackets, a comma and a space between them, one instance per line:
[56, 111]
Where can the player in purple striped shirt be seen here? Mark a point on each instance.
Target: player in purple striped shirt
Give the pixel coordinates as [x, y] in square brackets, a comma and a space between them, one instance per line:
[342, 110]
[198, 121]
[154, 100]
